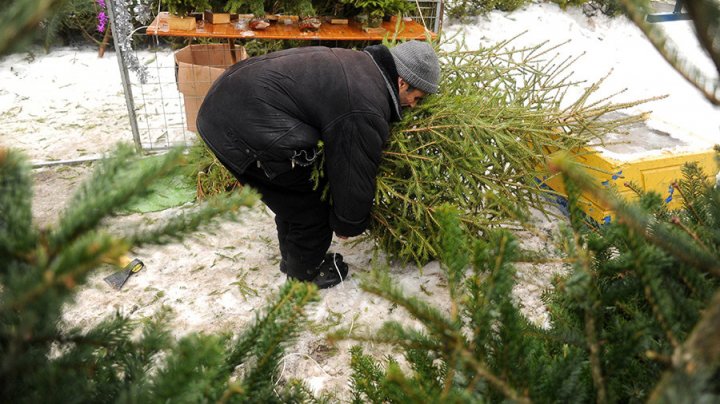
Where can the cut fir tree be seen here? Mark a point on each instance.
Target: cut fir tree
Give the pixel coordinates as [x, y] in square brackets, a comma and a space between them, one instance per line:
[480, 144]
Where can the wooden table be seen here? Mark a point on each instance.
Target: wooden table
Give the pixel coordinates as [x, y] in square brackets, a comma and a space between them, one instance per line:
[278, 30]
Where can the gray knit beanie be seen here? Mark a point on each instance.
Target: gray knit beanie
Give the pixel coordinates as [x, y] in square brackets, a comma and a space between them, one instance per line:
[417, 64]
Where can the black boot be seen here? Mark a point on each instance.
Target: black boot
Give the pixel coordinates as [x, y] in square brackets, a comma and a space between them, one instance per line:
[331, 271]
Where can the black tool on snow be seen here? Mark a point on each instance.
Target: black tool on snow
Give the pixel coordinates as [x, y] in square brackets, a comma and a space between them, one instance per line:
[118, 279]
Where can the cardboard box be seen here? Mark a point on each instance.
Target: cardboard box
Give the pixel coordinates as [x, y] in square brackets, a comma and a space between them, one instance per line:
[181, 23]
[374, 30]
[198, 66]
[217, 18]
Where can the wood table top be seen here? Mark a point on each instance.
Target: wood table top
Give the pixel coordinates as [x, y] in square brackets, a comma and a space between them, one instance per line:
[279, 30]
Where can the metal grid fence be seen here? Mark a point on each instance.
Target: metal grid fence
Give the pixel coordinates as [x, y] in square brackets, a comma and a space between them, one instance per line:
[429, 13]
[155, 108]
[159, 106]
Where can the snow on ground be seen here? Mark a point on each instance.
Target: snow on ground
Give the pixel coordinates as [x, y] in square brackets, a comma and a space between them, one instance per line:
[618, 47]
[62, 105]
[69, 104]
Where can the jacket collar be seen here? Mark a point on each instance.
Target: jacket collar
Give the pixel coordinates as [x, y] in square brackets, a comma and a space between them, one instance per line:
[384, 61]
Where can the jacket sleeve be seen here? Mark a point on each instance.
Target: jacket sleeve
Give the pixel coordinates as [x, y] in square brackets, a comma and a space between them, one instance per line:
[353, 150]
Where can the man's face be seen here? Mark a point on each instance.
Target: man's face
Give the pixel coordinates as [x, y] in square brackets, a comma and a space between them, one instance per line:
[409, 98]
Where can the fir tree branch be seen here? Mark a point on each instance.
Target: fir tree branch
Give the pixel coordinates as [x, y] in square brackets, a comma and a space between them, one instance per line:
[498, 383]
[111, 360]
[596, 363]
[20, 18]
[705, 15]
[263, 341]
[17, 234]
[653, 294]
[244, 346]
[658, 357]
[453, 254]
[380, 284]
[268, 349]
[688, 202]
[67, 270]
[679, 224]
[674, 243]
[401, 337]
[190, 371]
[92, 201]
[212, 210]
[233, 389]
[699, 353]
[586, 294]
[451, 341]
[480, 145]
[467, 358]
[409, 389]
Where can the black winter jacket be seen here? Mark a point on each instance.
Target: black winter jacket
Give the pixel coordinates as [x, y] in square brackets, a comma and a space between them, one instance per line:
[272, 110]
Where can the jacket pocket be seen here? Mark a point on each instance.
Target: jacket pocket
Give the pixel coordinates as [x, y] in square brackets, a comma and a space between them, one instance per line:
[238, 151]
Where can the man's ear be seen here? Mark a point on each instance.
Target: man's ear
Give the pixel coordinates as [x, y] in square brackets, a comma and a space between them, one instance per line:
[402, 84]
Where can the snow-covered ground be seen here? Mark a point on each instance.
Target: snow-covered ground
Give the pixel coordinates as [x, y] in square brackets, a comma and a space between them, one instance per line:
[684, 121]
[69, 104]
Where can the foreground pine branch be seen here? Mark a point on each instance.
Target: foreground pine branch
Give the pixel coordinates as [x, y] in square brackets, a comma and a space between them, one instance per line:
[695, 363]
[653, 283]
[120, 359]
[465, 375]
[633, 319]
[19, 21]
[663, 234]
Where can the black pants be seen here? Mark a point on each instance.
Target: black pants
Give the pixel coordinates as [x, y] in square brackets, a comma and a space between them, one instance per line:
[301, 216]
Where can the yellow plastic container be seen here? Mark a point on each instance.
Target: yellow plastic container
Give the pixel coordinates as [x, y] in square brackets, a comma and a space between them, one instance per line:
[656, 172]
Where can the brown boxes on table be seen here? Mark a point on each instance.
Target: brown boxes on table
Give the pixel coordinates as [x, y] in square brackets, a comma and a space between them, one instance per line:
[198, 66]
[217, 18]
[181, 23]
